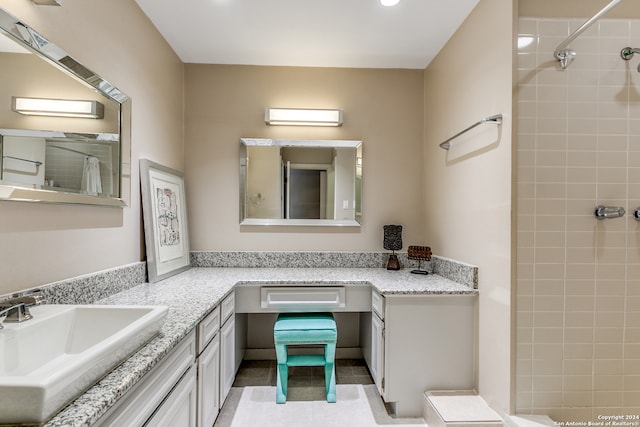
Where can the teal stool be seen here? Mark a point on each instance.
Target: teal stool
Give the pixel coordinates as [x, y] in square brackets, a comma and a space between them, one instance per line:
[302, 329]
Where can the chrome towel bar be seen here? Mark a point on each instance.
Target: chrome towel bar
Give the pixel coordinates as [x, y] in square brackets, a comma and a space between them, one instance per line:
[497, 119]
[37, 163]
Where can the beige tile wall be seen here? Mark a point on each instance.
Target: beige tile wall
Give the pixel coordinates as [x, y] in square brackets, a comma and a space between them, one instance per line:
[578, 285]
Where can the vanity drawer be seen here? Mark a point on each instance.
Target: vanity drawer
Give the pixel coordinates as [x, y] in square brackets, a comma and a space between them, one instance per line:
[256, 299]
[306, 298]
[227, 307]
[208, 328]
[377, 304]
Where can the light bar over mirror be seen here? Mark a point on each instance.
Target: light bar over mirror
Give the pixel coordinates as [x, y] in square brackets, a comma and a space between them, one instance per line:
[303, 117]
[57, 107]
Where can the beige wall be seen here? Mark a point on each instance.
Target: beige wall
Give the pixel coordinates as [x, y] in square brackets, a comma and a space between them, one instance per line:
[384, 108]
[468, 189]
[44, 243]
[578, 291]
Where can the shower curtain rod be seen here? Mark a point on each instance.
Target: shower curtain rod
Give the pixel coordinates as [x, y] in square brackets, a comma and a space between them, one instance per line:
[564, 55]
[72, 150]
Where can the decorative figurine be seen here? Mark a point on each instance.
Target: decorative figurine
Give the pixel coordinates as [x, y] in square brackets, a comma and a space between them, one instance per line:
[420, 253]
[393, 242]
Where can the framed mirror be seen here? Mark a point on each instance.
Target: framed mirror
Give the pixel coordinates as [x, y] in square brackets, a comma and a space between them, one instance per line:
[300, 182]
[52, 152]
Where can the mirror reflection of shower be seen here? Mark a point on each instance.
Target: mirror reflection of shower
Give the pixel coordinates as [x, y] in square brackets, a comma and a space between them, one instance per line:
[84, 163]
[628, 52]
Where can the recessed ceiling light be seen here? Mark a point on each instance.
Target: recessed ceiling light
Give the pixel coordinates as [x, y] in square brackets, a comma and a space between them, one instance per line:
[389, 2]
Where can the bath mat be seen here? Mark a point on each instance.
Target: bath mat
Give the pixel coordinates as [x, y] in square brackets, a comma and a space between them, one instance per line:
[257, 407]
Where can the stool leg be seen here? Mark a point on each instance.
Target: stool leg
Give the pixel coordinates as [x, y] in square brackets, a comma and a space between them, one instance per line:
[282, 374]
[281, 383]
[330, 372]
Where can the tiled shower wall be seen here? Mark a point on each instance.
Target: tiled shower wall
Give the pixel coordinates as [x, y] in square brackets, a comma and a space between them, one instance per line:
[578, 286]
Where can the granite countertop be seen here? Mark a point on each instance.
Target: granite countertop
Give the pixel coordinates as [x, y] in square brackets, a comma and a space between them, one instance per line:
[191, 295]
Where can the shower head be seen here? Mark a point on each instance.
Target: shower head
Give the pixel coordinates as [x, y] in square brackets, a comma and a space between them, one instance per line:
[628, 52]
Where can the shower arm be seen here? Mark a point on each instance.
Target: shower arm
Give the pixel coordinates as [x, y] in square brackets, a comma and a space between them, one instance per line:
[564, 55]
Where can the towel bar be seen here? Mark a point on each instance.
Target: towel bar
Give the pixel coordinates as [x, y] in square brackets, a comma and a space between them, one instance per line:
[36, 162]
[497, 119]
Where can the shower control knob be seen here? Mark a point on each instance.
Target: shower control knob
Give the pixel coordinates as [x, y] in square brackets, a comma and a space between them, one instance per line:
[636, 214]
[607, 212]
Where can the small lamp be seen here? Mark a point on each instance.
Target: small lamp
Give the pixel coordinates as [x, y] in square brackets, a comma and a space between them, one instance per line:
[419, 253]
[393, 242]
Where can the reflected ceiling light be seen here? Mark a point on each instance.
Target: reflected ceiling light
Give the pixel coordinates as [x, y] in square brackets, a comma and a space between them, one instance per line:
[389, 2]
[302, 117]
[524, 41]
[57, 107]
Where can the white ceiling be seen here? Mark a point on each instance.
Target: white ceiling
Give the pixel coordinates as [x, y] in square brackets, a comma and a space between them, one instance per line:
[320, 33]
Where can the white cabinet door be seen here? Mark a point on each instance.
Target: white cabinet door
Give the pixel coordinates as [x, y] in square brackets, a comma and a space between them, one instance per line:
[179, 409]
[377, 352]
[227, 357]
[140, 403]
[209, 383]
[429, 345]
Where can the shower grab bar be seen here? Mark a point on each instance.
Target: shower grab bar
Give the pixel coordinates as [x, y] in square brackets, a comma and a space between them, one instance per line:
[37, 163]
[608, 212]
[497, 119]
[564, 55]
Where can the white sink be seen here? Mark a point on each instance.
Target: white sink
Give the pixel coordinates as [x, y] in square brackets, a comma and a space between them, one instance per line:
[49, 360]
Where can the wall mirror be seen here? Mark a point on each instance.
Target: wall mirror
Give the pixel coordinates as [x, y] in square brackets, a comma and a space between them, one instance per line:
[300, 182]
[52, 157]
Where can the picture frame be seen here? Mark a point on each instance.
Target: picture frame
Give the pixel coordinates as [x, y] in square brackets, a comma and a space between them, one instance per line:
[164, 213]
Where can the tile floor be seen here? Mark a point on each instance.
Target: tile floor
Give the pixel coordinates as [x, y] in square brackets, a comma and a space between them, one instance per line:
[306, 388]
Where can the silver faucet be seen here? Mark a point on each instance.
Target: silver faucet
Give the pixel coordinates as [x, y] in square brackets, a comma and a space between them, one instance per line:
[17, 308]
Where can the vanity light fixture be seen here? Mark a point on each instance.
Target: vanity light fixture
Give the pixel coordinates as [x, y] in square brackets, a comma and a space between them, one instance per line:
[302, 117]
[389, 2]
[57, 107]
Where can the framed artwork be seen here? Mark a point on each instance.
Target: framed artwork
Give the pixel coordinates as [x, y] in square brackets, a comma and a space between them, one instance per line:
[164, 212]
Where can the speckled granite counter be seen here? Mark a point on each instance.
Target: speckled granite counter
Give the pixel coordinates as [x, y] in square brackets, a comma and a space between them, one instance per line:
[193, 293]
